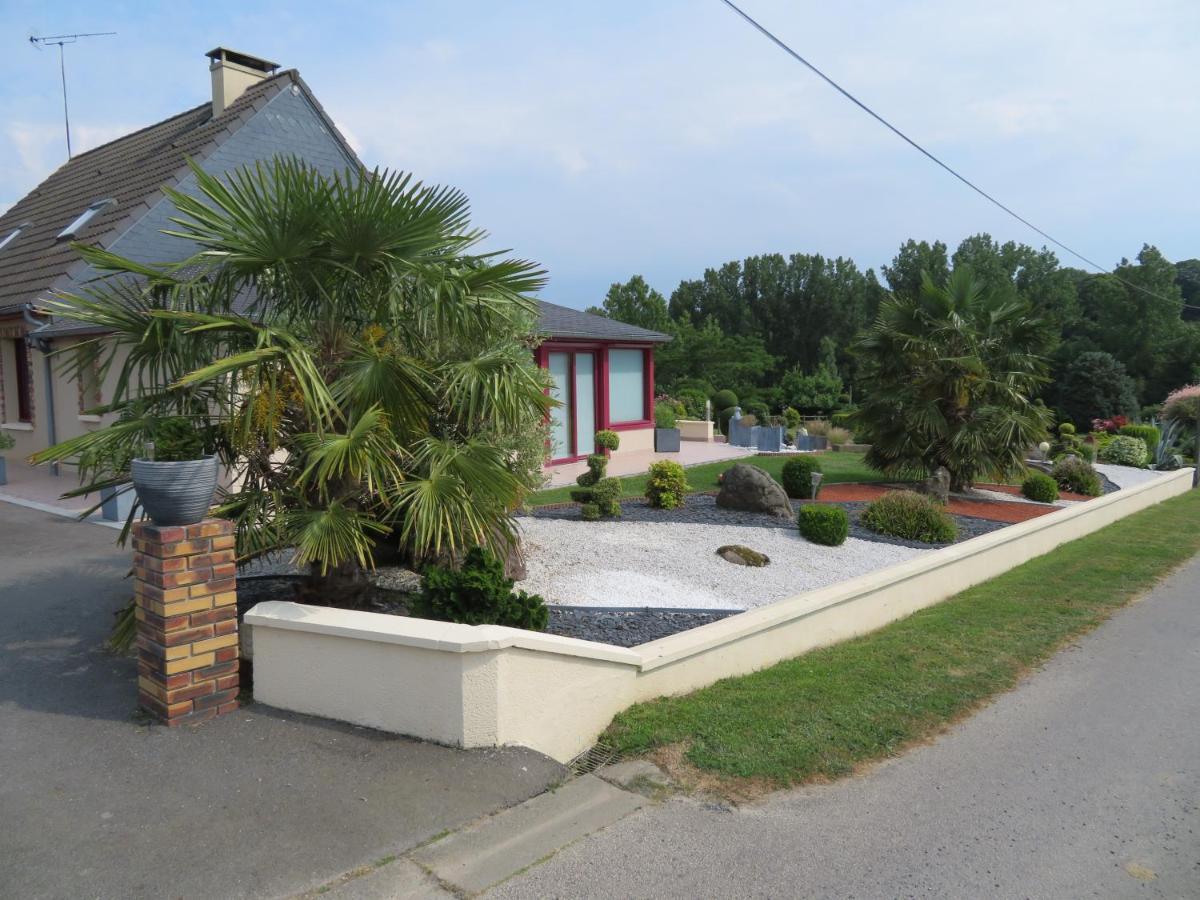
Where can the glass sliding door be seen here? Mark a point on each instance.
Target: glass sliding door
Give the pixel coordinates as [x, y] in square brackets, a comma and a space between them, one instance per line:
[585, 404]
[560, 417]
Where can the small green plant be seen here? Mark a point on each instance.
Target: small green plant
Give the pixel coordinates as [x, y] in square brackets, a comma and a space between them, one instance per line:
[1124, 450]
[912, 516]
[608, 440]
[477, 593]
[666, 484]
[828, 525]
[1077, 476]
[1148, 434]
[6, 441]
[1066, 428]
[797, 476]
[791, 418]
[589, 512]
[724, 399]
[1040, 487]
[177, 439]
[665, 415]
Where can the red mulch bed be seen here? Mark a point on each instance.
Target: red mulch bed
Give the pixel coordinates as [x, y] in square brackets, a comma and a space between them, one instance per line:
[993, 510]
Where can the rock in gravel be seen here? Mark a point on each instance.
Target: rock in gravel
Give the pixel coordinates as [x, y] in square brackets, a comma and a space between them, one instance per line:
[741, 555]
[749, 488]
[937, 485]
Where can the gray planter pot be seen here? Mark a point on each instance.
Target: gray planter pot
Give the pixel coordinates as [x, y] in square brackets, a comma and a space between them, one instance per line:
[175, 493]
[666, 440]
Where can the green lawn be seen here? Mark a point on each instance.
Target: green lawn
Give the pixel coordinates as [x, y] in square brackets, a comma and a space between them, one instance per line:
[837, 467]
[820, 715]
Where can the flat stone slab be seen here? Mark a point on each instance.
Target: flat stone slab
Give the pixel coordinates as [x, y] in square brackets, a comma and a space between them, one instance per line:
[634, 775]
[495, 848]
[398, 878]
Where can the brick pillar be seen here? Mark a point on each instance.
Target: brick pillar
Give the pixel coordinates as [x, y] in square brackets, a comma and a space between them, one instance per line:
[187, 630]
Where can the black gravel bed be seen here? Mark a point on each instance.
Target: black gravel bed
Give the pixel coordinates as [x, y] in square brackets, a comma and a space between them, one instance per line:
[702, 509]
[628, 627]
[624, 627]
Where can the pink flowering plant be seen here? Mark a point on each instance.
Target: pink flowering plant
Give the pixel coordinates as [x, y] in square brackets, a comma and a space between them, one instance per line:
[1183, 406]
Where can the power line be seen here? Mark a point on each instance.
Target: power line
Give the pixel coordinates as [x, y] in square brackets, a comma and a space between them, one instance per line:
[912, 143]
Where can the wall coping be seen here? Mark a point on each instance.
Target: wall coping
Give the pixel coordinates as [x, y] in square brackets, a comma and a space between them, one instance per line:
[448, 637]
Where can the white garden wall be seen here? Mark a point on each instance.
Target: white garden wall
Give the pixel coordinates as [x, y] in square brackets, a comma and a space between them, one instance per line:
[478, 686]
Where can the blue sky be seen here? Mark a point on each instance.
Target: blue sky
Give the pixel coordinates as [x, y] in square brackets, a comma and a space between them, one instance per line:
[607, 139]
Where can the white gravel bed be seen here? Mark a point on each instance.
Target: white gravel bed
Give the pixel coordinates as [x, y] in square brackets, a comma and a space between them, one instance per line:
[672, 564]
[1127, 476]
[981, 494]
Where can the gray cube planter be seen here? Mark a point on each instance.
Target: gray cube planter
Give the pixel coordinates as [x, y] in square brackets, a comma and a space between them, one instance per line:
[3, 471]
[116, 503]
[666, 440]
[175, 493]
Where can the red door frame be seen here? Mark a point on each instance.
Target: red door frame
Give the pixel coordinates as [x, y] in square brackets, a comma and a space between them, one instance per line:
[600, 349]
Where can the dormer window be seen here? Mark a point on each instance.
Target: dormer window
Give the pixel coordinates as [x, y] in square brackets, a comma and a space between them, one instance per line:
[12, 235]
[84, 217]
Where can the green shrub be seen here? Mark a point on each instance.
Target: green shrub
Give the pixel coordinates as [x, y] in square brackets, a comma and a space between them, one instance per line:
[667, 484]
[597, 493]
[1077, 476]
[842, 419]
[608, 440]
[756, 408]
[1066, 428]
[838, 436]
[597, 465]
[177, 439]
[665, 415]
[1124, 450]
[1040, 487]
[797, 476]
[723, 418]
[693, 401]
[791, 418]
[724, 399]
[1148, 434]
[912, 516]
[477, 593]
[828, 525]
[589, 512]
[6, 441]
[605, 495]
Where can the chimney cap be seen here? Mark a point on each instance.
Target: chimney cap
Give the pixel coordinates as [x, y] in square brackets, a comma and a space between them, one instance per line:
[225, 54]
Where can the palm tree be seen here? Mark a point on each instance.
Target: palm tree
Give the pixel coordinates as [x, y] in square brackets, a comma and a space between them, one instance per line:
[360, 370]
[950, 377]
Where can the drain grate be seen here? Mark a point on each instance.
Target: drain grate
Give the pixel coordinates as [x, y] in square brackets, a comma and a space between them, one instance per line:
[592, 759]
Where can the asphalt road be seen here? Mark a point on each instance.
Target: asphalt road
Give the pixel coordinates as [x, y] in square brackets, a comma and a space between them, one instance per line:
[96, 803]
[1083, 782]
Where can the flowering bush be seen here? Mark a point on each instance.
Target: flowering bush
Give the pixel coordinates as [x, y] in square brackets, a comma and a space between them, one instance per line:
[1183, 405]
[1110, 426]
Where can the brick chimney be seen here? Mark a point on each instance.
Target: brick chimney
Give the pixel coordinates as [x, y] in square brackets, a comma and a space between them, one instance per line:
[232, 72]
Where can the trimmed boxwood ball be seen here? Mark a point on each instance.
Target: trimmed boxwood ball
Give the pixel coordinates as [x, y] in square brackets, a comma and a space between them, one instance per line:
[1040, 487]
[666, 485]
[912, 516]
[724, 399]
[828, 525]
[797, 476]
[608, 440]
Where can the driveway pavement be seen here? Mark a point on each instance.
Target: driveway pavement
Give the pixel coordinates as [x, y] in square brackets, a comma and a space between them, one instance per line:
[1083, 782]
[96, 803]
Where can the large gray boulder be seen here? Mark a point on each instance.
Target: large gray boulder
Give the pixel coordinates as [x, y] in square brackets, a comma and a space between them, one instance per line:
[751, 489]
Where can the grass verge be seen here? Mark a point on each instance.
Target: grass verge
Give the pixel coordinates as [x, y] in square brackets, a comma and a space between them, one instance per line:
[823, 714]
[837, 467]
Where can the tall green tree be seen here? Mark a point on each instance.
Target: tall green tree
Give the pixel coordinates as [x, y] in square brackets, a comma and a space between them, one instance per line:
[951, 372]
[636, 303]
[904, 276]
[360, 368]
[1095, 386]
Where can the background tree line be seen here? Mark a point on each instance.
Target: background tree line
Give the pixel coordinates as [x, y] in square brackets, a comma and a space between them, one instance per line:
[777, 330]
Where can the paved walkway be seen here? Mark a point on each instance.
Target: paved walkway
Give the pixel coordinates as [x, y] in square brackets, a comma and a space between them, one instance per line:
[95, 803]
[636, 462]
[1083, 782]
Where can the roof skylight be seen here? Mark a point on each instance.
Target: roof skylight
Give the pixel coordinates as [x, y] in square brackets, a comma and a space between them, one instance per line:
[84, 217]
[12, 235]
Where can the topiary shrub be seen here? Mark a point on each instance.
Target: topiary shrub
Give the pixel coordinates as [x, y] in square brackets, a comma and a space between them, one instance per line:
[608, 440]
[828, 525]
[791, 418]
[598, 494]
[1077, 476]
[1066, 428]
[589, 512]
[477, 593]
[605, 496]
[724, 399]
[756, 408]
[667, 484]
[665, 415]
[1124, 450]
[797, 476]
[911, 516]
[723, 418]
[1040, 487]
[1148, 434]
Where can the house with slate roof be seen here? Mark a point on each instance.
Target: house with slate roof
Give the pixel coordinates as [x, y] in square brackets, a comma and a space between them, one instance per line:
[111, 196]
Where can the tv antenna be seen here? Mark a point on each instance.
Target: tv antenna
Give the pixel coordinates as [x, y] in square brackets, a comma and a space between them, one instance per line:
[60, 40]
